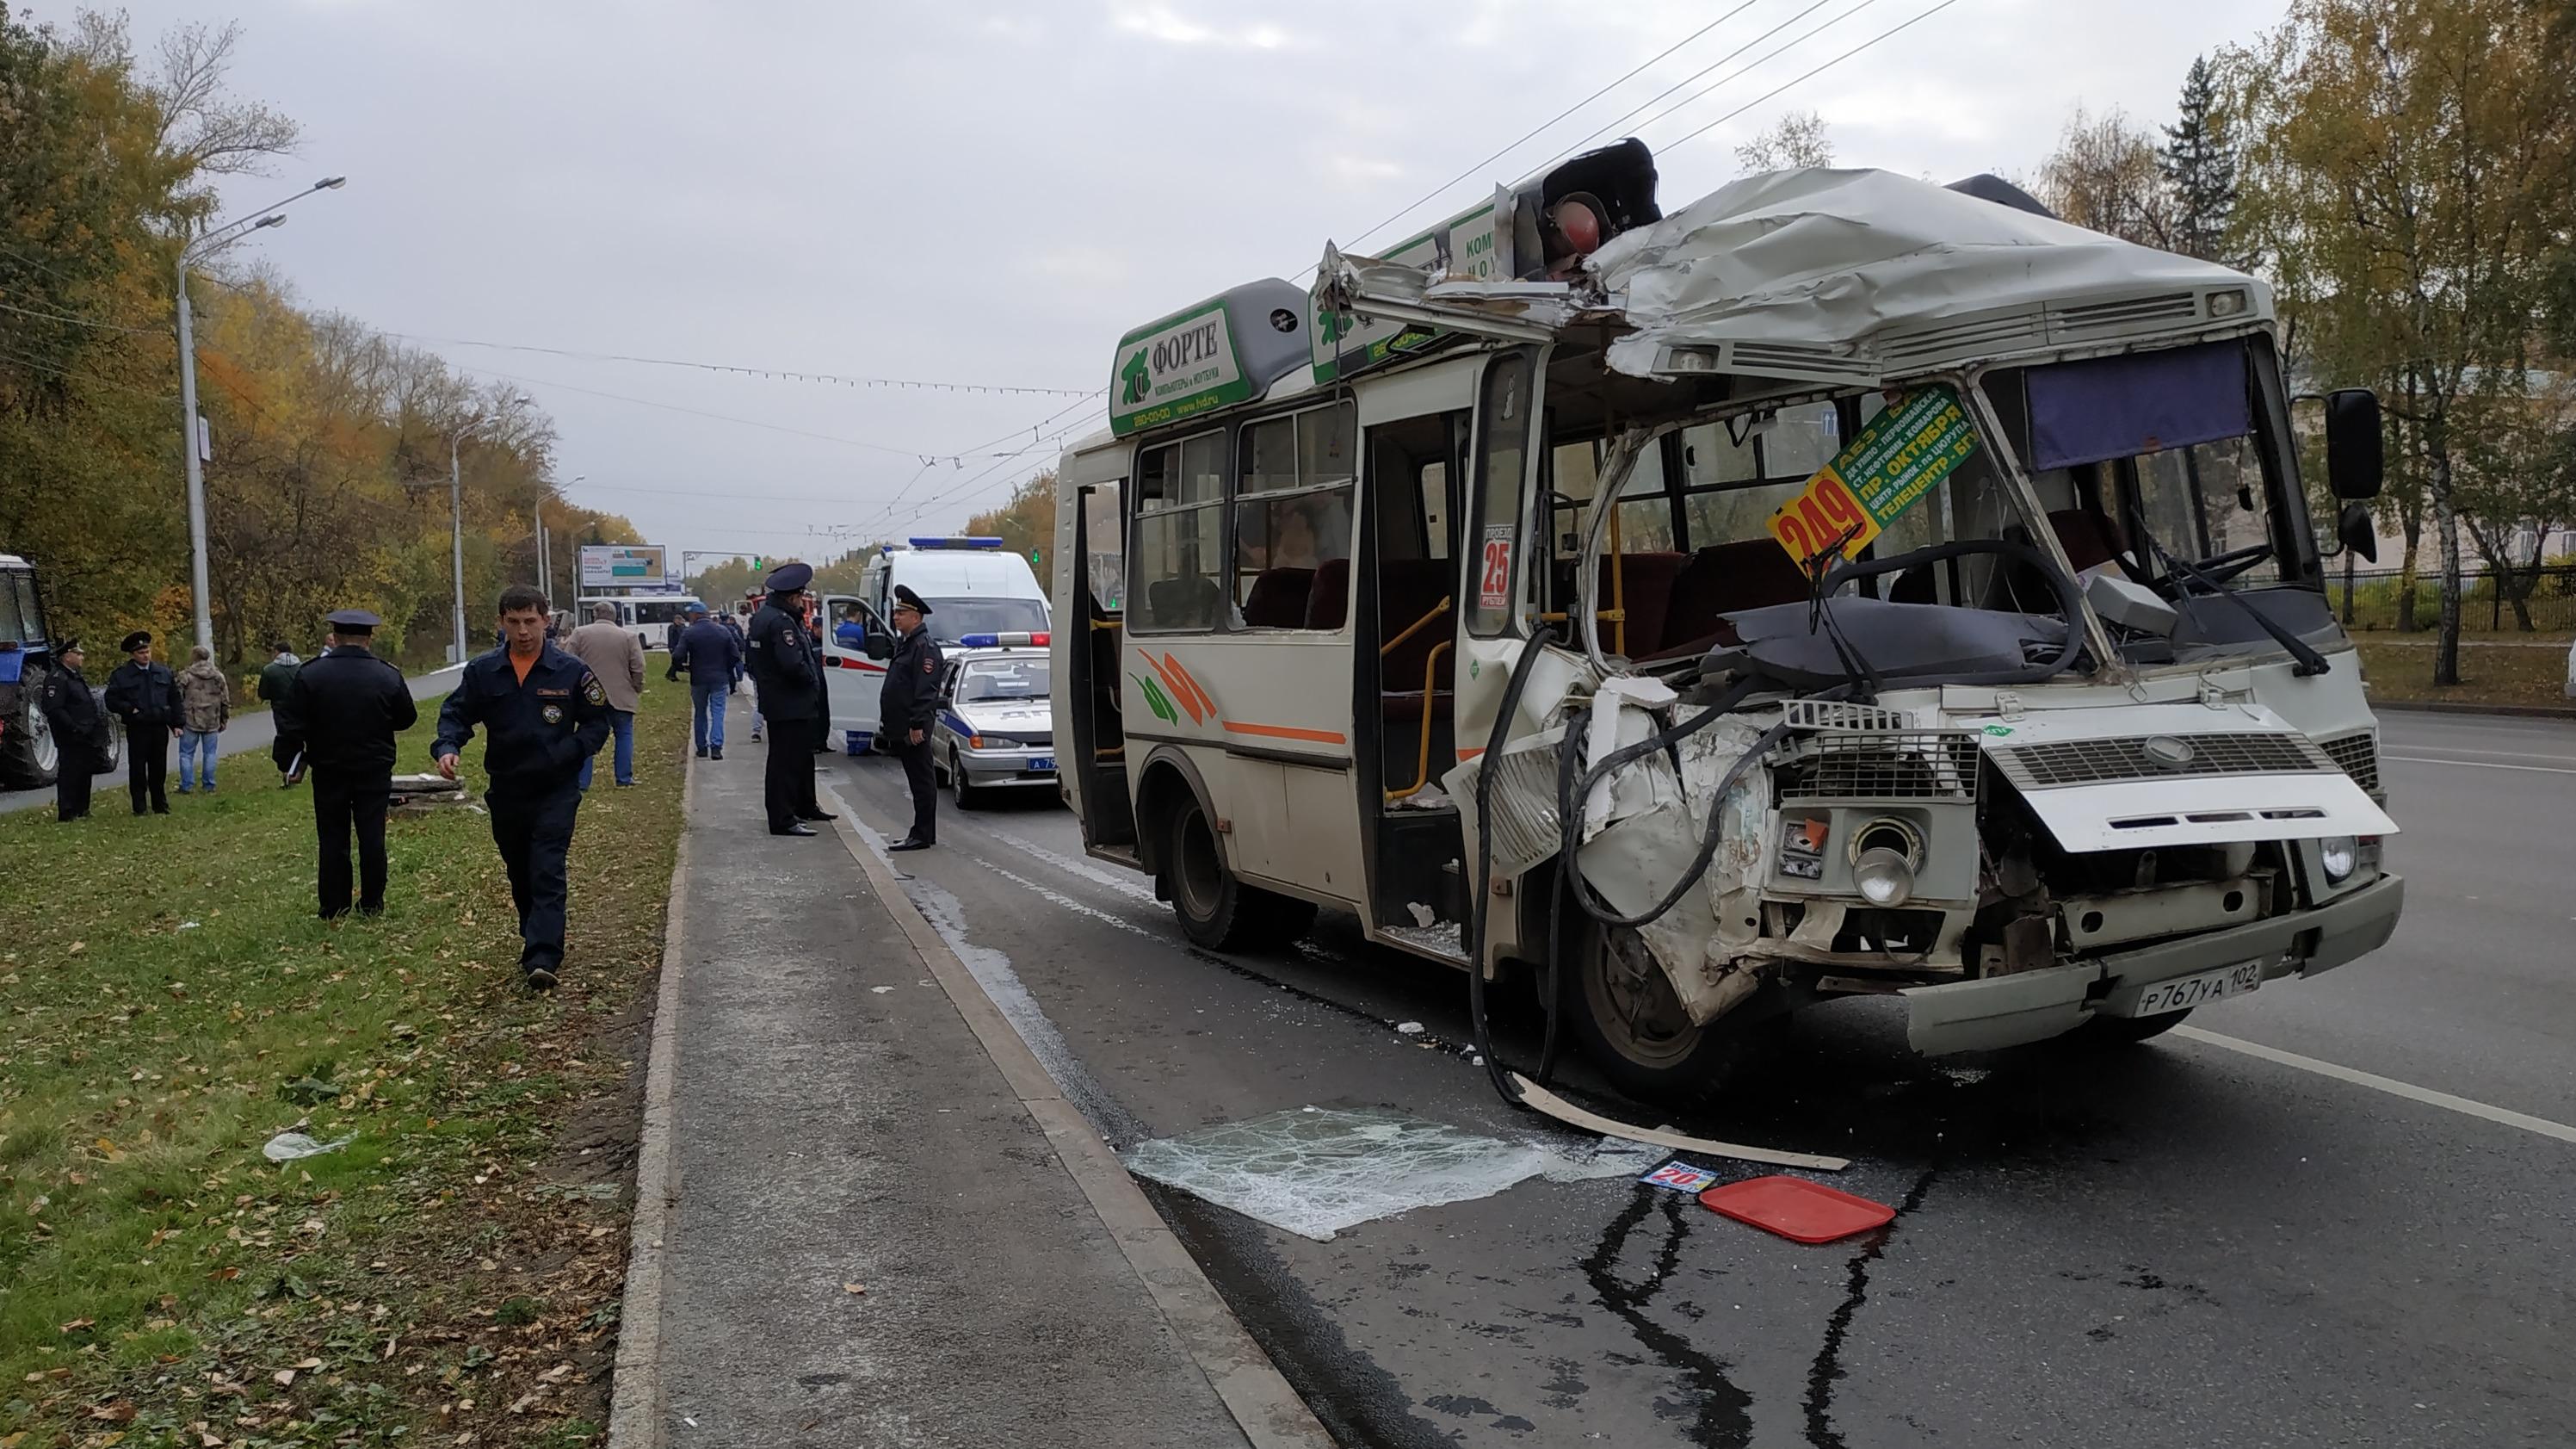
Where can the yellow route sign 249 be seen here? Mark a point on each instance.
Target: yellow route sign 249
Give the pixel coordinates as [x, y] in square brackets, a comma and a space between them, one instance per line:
[1897, 460]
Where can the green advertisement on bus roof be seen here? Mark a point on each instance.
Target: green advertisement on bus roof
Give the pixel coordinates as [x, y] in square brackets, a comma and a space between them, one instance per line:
[1463, 246]
[1177, 368]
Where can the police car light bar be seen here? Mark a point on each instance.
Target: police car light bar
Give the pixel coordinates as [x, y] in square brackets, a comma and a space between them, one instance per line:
[999, 641]
[957, 542]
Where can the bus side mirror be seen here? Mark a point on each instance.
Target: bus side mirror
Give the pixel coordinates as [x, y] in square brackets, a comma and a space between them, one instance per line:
[2355, 531]
[2353, 457]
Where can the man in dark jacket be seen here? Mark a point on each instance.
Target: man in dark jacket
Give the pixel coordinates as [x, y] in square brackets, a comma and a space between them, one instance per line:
[80, 731]
[788, 671]
[345, 708]
[545, 714]
[146, 696]
[712, 657]
[906, 708]
[274, 681]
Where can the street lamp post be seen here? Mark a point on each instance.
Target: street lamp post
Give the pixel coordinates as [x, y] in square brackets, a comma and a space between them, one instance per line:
[192, 440]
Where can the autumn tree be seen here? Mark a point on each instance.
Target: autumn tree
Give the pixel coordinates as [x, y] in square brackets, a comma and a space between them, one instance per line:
[1796, 139]
[2407, 168]
[2107, 174]
[1026, 523]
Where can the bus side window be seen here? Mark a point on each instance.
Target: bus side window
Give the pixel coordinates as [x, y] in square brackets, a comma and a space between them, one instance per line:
[1502, 455]
[1292, 520]
[1179, 556]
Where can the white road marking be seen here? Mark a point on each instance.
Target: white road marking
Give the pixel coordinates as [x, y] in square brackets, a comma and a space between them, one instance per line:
[1060, 899]
[1132, 886]
[2408, 1090]
[2484, 764]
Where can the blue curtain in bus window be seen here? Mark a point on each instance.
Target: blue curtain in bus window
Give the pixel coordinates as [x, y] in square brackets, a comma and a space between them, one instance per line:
[2120, 407]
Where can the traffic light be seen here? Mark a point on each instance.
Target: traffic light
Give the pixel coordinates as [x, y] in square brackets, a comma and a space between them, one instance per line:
[1034, 560]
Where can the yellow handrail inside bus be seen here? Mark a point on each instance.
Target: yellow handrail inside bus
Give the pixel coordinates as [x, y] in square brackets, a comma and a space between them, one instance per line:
[1618, 586]
[1413, 628]
[1107, 623]
[1422, 762]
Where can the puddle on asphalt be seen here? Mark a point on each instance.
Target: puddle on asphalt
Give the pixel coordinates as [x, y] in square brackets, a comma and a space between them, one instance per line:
[1315, 1171]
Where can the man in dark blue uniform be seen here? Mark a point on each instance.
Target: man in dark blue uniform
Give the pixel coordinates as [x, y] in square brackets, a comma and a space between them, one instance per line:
[80, 731]
[788, 671]
[546, 714]
[905, 711]
[146, 696]
[343, 710]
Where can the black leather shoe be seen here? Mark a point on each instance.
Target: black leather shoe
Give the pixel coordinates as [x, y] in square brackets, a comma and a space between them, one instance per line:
[908, 843]
[702, 752]
[716, 753]
[799, 829]
[817, 816]
[540, 979]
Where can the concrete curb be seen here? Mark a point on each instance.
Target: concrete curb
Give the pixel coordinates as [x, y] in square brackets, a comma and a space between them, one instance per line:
[1251, 1387]
[2502, 711]
[636, 1417]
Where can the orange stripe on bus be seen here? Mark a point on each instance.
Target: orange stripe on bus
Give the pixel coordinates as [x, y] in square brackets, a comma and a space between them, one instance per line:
[1192, 681]
[1181, 695]
[1287, 732]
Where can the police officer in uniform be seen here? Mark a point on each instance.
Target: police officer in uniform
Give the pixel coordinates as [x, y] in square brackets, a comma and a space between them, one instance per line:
[80, 731]
[905, 710]
[343, 711]
[788, 670]
[544, 713]
[146, 696]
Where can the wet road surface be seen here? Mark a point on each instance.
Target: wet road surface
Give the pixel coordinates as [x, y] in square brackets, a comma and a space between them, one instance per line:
[2177, 1244]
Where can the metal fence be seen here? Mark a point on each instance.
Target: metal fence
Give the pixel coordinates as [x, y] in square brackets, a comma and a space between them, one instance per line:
[2378, 597]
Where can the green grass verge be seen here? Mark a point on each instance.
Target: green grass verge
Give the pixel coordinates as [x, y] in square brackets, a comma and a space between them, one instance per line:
[2517, 674]
[168, 1002]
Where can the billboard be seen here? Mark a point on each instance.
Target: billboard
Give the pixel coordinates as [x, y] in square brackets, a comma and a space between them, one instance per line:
[624, 565]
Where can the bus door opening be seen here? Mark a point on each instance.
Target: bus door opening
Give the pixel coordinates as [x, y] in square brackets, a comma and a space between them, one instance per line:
[1406, 664]
[1098, 732]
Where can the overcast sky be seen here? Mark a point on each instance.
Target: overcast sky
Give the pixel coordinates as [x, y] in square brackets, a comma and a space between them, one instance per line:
[991, 193]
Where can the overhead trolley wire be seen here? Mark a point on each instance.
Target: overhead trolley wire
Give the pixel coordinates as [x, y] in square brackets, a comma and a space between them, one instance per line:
[777, 373]
[1433, 193]
[1811, 74]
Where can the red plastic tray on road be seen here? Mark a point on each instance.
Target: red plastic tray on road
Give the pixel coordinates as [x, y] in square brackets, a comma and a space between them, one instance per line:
[1796, 1209]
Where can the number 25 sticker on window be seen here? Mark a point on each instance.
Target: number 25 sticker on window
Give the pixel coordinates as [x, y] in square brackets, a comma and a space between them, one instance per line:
[1494, 571]
[1894, 464]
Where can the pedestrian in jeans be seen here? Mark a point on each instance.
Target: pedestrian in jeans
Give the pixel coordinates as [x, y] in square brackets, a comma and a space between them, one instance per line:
[205, 707]
[616, 657]
[712, 656]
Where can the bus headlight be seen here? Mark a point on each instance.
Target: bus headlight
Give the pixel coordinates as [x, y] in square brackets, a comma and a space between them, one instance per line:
[2340, 855]
[1885, 853]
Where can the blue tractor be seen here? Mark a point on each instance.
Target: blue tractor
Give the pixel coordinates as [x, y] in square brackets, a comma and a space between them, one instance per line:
[29, 755]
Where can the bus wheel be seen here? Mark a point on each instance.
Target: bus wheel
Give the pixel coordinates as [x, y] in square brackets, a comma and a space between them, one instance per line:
[1216, 910]
[1633, 1027]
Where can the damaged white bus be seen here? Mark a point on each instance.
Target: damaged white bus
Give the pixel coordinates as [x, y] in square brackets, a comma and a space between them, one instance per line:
[1842, 585]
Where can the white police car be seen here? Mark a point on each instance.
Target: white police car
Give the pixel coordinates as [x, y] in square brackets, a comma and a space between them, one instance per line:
[996, 722]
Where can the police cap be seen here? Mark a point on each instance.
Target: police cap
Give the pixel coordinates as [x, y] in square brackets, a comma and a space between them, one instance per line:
[140, 638]
[905, 598]
[790, 578]
[351, 621]
[694, 609]
[68, 646]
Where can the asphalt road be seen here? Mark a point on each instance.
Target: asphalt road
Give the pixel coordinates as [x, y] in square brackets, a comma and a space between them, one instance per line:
[247, 732]
[2182, 1244]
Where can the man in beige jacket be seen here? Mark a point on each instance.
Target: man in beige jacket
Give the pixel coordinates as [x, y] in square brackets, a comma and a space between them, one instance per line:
[617, 657]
